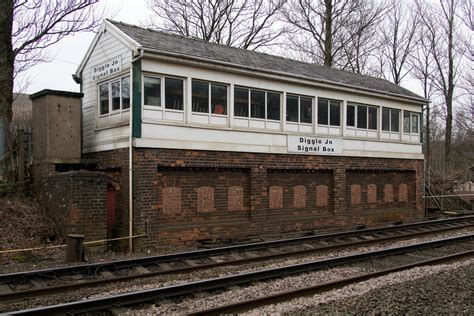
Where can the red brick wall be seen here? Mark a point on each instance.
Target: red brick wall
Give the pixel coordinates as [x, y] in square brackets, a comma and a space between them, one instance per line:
[188, 195]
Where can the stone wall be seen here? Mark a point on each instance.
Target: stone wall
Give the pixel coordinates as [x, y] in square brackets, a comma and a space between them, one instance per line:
[188, 196]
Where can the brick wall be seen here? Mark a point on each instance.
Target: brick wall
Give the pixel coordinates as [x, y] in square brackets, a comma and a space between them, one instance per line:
[188, 195]
[76, 202]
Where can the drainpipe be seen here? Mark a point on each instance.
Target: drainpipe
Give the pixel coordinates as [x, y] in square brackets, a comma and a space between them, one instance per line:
[130, 159]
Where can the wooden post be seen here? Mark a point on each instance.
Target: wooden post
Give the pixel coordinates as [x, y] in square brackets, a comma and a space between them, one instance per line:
[75, 248]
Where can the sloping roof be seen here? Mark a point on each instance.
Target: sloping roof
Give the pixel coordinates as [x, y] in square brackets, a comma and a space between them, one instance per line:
[157, 41]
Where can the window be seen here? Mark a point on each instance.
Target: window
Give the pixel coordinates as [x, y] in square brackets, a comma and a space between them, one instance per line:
[203, 92]
[259, 104]
[410, 122]
[299, 109]
[114, 95]
[173, 92]
[152, 91]
[329, 112]
[390, 120]
[363, 115]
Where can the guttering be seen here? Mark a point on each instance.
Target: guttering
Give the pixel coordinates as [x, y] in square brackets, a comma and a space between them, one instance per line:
[130, 160]
[254, 70]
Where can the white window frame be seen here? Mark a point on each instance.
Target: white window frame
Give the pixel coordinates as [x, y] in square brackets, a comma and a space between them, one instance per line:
[209, 95]
[356, 105]
[266, 122]
[162, 93]
[109, 87]
[411, 115]
[390, 123]
[329, 112]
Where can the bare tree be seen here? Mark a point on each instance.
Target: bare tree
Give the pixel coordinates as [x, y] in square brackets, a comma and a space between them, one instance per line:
[441, 23]
[27, 27]
[327, 28]
[247, 24]
[397, 34]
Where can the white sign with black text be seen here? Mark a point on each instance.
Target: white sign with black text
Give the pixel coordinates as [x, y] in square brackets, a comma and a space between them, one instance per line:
[314, 145]
[107, 68]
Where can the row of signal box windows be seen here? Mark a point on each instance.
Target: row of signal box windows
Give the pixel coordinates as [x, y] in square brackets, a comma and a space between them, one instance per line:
[167, 94]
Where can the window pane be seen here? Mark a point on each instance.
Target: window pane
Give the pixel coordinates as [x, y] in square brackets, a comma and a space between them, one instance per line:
[257, 104]
[115, 95]
[323, 112]
[104, 98]
[152, 91]
[218, 99]
[200, 97]
[385, 119]
[395, 120]
[406, 122]
[350, 115]
[335, 114]
[173, 93]
[361, 116]
[241, 102]
[414, 123]
[291, 108]
[273, 106]
[372, 118]
[125, 93]
[306, 110]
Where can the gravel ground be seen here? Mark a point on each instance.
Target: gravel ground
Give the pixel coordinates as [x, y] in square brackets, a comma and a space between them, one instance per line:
[443, 289]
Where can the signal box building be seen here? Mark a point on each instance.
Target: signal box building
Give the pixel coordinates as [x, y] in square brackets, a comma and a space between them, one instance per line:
[228, 143]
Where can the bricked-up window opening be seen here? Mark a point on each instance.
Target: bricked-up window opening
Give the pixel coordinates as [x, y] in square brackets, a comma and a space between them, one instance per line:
[259, 104]
[152, 91]
[299, 196]
[205, 199]
[329, 112]
[390, 120]
[403, 192]
[410, 122]
[372, 194]
[299, 109]
[388, 193]
[235, 198]
[210, 98]
[114, 95]
[322, 196]
[276, 197]
[174, 94]
[365, 116]
[355, 194]
[171, 200]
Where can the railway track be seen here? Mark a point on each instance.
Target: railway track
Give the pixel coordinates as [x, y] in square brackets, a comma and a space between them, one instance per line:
[22, 285]
[439, 248]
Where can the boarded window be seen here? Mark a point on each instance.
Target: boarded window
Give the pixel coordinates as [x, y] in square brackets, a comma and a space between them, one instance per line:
[171, 200]
[403, 192]
[205, 199]
[276, 197]
[388, 193]
[235, 198]
[321, 196]
[372, 194]
[355, 194]
[299, 196]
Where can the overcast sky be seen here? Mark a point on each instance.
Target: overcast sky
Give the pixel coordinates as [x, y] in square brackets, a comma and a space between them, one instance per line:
[67, 54]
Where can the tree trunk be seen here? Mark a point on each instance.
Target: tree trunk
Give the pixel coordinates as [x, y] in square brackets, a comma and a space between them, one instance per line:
[328, 34]
[6, 68]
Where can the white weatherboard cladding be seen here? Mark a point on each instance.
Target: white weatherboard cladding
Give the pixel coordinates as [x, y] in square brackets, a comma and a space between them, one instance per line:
[110, 133]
